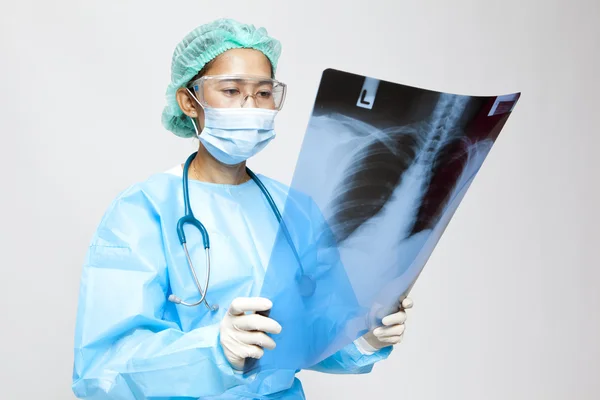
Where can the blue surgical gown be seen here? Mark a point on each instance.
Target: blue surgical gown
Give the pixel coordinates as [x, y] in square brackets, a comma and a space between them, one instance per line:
[132, 343]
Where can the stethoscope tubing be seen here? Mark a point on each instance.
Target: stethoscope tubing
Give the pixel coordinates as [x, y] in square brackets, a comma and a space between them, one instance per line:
[188, 218]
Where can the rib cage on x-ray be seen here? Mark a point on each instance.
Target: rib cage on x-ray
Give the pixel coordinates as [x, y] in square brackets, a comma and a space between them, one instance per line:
[427, 157]
[382, 183]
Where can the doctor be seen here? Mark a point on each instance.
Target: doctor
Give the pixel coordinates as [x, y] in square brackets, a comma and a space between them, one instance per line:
[135, 336]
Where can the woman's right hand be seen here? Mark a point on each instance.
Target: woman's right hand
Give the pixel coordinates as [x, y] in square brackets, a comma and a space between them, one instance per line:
[244, 335]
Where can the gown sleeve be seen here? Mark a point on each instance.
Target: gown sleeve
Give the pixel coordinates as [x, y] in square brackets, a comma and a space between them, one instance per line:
[351, 360]
[124, 347]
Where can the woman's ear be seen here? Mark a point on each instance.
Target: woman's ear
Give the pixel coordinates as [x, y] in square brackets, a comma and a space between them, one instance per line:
[187, 104]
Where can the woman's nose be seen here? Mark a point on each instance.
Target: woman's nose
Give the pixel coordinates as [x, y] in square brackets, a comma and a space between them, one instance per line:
[249, 102]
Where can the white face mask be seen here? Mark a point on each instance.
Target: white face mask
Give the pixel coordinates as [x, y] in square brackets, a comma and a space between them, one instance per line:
[232, 135]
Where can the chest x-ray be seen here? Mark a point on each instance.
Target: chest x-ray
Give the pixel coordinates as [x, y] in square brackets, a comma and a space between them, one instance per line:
[387, 166]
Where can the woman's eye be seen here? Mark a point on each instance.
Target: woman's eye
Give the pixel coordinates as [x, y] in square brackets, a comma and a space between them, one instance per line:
[231, 92]
[264, 94]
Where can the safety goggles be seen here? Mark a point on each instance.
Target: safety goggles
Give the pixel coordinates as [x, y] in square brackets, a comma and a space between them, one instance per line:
[232, 91]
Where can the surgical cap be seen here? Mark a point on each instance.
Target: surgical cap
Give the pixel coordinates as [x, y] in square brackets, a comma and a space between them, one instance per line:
[201, 46]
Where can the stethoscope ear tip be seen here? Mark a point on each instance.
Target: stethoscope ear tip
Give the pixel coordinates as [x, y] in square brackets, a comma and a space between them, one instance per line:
[174, 299]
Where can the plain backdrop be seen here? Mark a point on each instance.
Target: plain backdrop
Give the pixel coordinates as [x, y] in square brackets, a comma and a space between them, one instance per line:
[508, 305]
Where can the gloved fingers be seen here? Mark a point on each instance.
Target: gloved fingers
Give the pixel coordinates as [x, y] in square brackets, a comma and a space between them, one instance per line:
[256, 322]
[407, 303]
[256, 338]
[388, 331]
[241, 305]
[235, 360]
[394, 319]
[236, 345]
[234, 350]
[391, 339]
[251, 351]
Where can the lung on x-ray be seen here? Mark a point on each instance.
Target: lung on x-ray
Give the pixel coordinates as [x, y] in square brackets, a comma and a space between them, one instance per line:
[387, 166]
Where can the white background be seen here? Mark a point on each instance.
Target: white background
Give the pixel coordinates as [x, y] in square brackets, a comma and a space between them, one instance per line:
[507, 306]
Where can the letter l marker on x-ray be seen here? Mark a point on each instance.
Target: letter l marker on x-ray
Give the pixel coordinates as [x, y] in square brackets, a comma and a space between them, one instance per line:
[368, 93]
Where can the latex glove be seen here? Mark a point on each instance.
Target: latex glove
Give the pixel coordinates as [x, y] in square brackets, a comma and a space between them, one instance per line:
[244, 335]
[391, 333]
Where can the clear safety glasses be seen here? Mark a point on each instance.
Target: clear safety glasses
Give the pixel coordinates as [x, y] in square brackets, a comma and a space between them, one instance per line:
[232, 91]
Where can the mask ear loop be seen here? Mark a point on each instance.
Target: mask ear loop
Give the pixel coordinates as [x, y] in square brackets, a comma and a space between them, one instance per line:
[192, 119]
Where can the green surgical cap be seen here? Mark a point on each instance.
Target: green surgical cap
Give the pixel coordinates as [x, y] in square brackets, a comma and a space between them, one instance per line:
[201, 46]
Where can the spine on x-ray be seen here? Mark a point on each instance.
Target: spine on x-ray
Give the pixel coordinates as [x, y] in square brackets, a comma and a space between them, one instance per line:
[435, 148]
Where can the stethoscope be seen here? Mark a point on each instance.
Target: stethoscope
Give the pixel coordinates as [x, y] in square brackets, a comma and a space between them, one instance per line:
[306, 284]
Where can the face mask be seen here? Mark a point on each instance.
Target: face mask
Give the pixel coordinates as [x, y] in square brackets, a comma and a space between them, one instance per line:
[232, 135]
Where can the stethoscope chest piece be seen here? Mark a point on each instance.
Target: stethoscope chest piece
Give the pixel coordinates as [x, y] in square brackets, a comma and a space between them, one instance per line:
[306, 286]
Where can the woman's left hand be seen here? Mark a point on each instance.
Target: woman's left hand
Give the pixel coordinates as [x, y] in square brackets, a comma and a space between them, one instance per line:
[393, 330]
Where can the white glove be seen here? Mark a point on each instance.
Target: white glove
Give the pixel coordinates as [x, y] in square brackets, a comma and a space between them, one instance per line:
[389, 334]
[244, 335]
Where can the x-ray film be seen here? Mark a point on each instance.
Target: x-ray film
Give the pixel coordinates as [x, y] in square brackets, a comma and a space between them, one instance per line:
[385, 166]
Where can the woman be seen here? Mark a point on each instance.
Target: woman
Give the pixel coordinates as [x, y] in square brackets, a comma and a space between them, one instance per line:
[137, 335]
